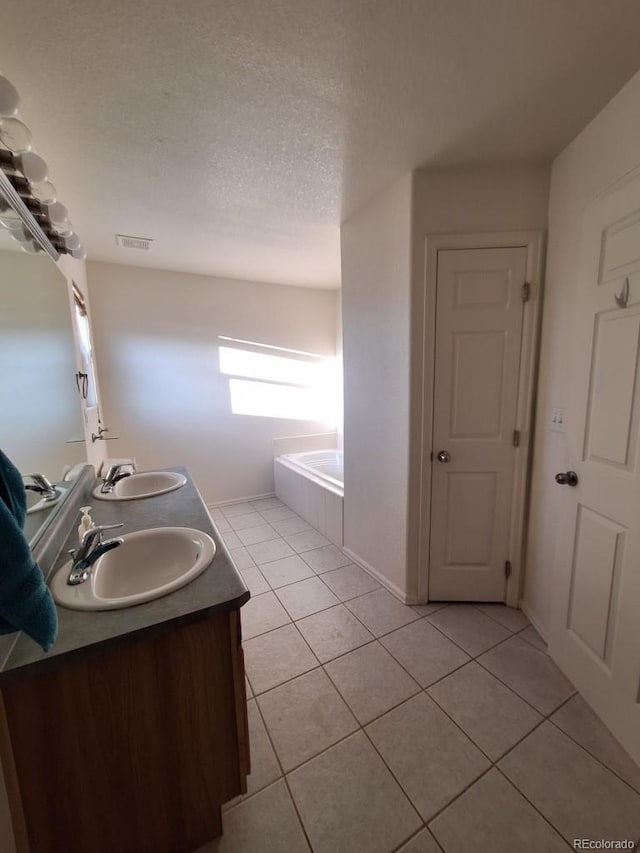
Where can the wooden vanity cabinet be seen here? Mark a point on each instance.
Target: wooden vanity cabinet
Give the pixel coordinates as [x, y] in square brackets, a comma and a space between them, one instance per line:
[129, 749]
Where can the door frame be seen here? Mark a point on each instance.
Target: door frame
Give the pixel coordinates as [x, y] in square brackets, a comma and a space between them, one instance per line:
[425, 303]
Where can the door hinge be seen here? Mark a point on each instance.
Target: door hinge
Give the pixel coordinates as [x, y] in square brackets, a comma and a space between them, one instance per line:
[516, 438]
[526, 292]
[507, 568]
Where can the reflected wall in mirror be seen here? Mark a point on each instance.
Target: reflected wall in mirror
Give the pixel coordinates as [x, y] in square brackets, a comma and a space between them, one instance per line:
[40, 409]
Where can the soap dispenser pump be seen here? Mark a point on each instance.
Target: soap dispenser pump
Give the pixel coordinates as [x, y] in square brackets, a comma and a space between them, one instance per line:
[86, 522]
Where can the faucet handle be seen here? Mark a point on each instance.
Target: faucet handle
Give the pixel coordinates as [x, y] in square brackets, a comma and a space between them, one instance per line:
[40, 483]
[90, 534]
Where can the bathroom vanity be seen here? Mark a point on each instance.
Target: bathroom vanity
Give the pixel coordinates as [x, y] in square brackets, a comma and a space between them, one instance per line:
[132, 731]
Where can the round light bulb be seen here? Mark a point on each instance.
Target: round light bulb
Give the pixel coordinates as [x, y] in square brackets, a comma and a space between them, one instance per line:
[79, 254]
[73, 242]
[33, 167]
[63, 230]
[45, 192]
[15, 135]
[9, 97]
[57, 213]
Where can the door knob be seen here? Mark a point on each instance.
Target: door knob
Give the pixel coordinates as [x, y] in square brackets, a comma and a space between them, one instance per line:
[567, 478]
[444, 456]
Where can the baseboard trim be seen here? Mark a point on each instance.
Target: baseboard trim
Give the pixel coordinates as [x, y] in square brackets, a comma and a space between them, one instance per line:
[241, 500]
[536, 624]
[378, 576]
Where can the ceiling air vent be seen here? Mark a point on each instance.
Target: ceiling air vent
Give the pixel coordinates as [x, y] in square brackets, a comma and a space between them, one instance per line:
[127, 242]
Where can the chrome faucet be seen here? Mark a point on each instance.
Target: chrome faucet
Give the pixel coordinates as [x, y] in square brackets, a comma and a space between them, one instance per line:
[42, 486]
[115, 473]
[92, 547]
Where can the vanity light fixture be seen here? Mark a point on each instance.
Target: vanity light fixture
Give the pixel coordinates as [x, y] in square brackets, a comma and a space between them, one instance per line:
[28, 175]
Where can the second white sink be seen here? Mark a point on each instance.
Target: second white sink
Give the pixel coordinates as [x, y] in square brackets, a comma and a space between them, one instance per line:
[144, 485]
[148, 565]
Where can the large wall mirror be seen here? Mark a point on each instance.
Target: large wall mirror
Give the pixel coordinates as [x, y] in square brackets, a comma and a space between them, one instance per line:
[41, 428]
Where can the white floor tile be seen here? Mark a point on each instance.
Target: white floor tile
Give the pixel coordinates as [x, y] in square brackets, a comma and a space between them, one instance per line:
[491, 715]
[250, 519]
[381, 612]
[468, 628]
[255, 581]
[230, 539]
[581, 723]
[429, 755]
[577, 795]
[428, 609]
[306, 597]
[273, 658]
[509, 617]
[424, 652]
[531, 636]
[288, 526]
[266, 552]
[307, 540]
[325, 559]
[349, 581]
[305, 716]
[262, 504]
[493, 816]
[371, 681]
[531, 673]
[262, 613]
[286, 570]
[241, 558]
[350, 803]
[277, 513]
[266, 822]
[333, 632]
[253, 535]
[423, 842]
[232, 510]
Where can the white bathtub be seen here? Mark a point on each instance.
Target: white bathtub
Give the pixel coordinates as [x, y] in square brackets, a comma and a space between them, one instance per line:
[312, 484]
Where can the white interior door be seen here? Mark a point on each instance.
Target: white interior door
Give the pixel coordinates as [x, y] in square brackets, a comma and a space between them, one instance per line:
[479, 312]
[595, 636]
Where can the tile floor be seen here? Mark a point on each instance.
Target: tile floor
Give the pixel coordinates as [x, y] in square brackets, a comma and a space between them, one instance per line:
[377, 727]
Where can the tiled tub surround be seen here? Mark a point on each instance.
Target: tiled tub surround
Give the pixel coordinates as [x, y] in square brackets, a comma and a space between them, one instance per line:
[316, 496]
[377, 727]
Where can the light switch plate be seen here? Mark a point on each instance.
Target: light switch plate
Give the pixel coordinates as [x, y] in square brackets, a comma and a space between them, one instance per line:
[557, 420]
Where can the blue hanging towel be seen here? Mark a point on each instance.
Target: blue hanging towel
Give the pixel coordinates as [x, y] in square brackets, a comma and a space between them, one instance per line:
[25, 601]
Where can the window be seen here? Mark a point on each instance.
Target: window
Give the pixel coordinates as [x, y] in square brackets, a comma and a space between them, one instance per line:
[275, 382]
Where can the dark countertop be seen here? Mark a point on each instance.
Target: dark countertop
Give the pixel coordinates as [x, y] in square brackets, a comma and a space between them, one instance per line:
[220, 587]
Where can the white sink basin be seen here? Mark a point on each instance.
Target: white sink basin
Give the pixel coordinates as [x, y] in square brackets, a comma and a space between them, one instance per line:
[145, 485]
[150, 564]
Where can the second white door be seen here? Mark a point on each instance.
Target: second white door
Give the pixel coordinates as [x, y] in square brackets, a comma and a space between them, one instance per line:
[479, 312]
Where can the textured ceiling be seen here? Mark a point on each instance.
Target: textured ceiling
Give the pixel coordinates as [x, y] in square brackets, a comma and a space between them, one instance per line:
[238, 135]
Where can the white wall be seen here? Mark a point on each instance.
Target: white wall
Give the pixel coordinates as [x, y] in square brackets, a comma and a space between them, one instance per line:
[376, 262]
[607, 149]
[156, 337]
[458, 200]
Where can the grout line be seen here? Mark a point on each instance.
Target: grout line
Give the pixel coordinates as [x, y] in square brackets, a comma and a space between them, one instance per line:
[283, 775]
[423, 828]
[534, 807]
[362, 727]
[479, 604]
[587, 750]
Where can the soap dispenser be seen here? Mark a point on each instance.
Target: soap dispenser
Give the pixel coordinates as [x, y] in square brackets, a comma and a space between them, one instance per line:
[86, 522]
